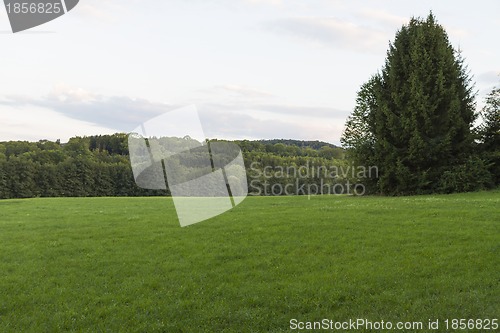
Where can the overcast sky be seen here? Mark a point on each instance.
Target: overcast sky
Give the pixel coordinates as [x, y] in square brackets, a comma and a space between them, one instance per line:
[255, 69]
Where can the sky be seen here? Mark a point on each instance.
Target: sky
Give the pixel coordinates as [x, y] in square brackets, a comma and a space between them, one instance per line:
[254, 69]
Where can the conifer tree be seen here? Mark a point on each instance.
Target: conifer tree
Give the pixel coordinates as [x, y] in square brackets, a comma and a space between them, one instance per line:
[417, 114]
[490, 133]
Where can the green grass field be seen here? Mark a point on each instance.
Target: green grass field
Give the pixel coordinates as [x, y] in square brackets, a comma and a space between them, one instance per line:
[125, 265]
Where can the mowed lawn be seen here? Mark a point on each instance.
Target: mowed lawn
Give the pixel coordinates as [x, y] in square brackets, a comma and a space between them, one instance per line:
[125, 264]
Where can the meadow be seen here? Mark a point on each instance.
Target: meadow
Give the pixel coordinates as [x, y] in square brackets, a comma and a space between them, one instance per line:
[125, 264]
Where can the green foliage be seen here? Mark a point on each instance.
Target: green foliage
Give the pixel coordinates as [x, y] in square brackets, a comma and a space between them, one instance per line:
[51, 169]
[490, 133]
[315, 145]
[414, 120]
[125, 265]
[20, 174]
[4, 190]
[358, 137]
[112, 144]
[100, 166]
[470, 176]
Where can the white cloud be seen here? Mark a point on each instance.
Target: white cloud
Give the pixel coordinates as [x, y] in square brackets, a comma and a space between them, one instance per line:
[384, 17]
[253, 125]
[36, 123]
[83, 112]
[235, 92]
[265, 2]
[333, 32]
[65, 93]
[490, 77]
[118, 112]
[103, 10]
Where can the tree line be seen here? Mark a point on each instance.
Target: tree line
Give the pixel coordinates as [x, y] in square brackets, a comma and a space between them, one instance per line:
[100, 166]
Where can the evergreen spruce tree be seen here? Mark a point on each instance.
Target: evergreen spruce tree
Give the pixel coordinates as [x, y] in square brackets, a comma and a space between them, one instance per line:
[490, 133]
[359, 134]
[417, 115]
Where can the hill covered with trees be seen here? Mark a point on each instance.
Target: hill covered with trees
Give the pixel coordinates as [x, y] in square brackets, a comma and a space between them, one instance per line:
[100, 166]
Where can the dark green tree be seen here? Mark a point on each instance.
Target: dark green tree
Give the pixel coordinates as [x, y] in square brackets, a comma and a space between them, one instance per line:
[48, 180]
[20, 173]
[490, 133]
[359, 134]
[4, 191]
[414, 119]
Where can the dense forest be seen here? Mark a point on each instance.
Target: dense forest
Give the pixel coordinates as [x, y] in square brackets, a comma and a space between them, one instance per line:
[100, 166]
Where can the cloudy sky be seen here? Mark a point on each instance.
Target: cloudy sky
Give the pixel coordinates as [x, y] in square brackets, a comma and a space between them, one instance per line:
[254, 68]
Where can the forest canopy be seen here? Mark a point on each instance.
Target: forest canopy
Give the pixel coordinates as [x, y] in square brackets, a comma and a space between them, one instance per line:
[100, 166]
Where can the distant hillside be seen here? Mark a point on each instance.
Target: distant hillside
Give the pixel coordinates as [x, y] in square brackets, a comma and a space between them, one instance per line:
[316, 145]
[99, 165]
